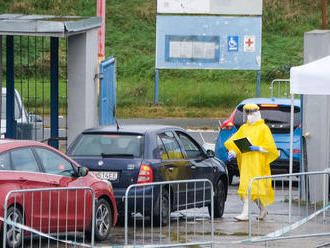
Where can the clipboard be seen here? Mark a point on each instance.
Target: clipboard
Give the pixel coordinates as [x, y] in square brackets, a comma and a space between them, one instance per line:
[243, 144]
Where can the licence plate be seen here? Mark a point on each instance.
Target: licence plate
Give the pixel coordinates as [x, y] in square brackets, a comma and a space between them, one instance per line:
[107, 175]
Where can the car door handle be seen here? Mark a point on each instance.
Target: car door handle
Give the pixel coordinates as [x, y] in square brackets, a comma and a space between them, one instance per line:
[191, 166]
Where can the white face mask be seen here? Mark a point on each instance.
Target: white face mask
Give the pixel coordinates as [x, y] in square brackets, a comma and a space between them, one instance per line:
[251, 118]
[254, 117]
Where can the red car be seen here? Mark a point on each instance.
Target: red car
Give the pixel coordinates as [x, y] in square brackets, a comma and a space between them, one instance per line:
[33, 165]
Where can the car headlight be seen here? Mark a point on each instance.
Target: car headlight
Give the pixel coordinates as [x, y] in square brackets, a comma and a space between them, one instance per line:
[109, 185]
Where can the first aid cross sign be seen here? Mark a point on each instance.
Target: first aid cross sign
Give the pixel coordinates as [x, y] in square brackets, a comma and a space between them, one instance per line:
[249, 43]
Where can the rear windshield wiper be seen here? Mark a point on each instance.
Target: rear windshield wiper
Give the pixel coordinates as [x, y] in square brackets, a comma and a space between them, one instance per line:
[112, 155]
[274, 121]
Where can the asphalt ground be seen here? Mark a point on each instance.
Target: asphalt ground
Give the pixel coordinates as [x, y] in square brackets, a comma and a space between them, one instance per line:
[230, 233]
[227, 231]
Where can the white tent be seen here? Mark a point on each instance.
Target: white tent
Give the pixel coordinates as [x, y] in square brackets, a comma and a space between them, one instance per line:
[312, 78]
[309, 79]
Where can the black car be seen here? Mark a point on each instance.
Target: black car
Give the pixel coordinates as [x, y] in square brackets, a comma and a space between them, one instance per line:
[133, 154]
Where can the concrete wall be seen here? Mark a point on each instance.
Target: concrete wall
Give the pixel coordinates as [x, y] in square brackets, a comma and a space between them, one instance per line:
[82, 85]
[316, 116]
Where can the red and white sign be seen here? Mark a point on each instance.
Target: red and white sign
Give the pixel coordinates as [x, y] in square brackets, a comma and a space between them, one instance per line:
[249, 43]
[101, 33]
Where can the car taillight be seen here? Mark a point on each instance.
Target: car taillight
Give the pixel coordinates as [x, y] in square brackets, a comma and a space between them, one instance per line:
[299, 125]
[229, 124]
[268, 105]
[145, 174]
[296, 151]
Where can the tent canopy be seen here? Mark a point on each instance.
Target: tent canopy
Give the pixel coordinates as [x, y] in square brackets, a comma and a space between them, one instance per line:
[312, 78]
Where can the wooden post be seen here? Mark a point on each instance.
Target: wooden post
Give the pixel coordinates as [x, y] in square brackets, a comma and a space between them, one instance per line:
[324, 14]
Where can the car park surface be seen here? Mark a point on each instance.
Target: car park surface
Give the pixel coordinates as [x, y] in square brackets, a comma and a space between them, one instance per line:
[131, 154]
[28, 165]
[276, 113]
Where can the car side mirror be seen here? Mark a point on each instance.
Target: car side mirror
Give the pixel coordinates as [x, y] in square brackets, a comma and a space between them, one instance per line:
[82, 171]
[210, 153]
[34, 118]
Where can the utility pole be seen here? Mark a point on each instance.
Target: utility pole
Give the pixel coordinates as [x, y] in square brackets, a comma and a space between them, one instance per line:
[324, 14]
[100, 11]
[101, 34]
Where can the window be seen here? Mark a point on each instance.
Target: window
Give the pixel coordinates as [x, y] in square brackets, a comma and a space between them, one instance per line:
[161, 148]
[129, 145]
[53, 163]
[17, 108]
[171, 146]
[4, 161]
[24, 160]
[277, 118]
[192, 149]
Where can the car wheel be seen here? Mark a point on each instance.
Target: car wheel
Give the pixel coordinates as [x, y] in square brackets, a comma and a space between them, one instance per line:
[103, 219]
[162, 215]
[219, 199]
[13, 234]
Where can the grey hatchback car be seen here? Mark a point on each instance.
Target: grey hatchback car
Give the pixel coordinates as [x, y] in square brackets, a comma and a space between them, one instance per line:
[133, 154]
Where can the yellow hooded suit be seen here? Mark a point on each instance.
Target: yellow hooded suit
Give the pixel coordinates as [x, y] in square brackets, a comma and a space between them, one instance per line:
[254, 163]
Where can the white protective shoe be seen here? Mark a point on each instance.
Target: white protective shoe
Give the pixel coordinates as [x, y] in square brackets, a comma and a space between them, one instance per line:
[263, 211]
[244, 216]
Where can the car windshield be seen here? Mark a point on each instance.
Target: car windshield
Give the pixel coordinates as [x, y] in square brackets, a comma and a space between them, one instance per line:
[277, 118]
[3, 108]
[109, 145]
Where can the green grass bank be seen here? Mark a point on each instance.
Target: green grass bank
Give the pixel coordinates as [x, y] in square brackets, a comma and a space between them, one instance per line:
[130, 37]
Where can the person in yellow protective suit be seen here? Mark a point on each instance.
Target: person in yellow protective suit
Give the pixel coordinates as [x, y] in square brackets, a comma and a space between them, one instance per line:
[254, 163]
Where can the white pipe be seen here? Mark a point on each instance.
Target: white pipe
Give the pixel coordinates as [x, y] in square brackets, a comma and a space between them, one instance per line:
[291, 154]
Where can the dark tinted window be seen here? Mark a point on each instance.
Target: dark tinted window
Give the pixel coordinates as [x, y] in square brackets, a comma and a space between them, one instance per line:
[171, 145]
[109, 144]
[277, 118]
[190, 146]
[53, 163]
[24, 160]
[5, 161]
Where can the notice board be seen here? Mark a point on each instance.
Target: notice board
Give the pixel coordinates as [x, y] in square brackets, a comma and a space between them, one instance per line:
[208, 42]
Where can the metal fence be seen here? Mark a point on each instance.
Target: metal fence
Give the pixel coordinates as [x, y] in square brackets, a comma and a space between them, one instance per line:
[32, 69]
[298, 215]
[280, 88]
[169, 214]
[49, 217]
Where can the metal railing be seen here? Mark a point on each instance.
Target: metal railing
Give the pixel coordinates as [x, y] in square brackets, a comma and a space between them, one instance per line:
[49, 216]
[296, 204]
[280, 91]
[170, 213]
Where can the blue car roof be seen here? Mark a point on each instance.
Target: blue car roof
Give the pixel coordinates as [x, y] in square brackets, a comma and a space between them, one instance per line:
[274, 100]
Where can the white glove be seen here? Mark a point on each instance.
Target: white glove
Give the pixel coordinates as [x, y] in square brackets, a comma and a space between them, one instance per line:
[231, 155]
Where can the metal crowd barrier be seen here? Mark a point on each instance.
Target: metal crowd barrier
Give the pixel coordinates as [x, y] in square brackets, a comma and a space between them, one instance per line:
[300, 206]
[181, 218]
[49, 216]
[280, 92]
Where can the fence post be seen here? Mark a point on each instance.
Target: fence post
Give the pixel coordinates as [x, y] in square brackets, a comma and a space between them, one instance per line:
[54, 91]
[10, 78]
